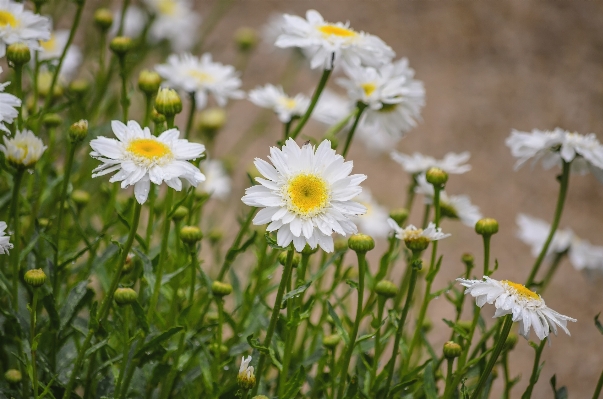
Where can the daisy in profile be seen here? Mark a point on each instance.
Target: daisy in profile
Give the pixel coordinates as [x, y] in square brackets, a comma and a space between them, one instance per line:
[274, 98]
[174, 21]
[8, 105]
[374, 221]
[217, 182]
[52, 50]
[584, 152]
[332, 42]
[527, 307]
[139, 158]
[306, 195]
[20, 25]
[5, 244]
[416, 238]
[452, 163]
[22, 150]
[202, 77]
[246, 376]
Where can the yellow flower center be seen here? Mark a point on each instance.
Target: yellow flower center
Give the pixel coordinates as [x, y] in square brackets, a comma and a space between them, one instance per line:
[200, 76]
[521, 290]
[335, 30]
[149, 149]
[368, 88]
[7, 18]
[167, 7]
[386, 108]
[288, 103]
[412, 234]
[307, 194]
[49, 45]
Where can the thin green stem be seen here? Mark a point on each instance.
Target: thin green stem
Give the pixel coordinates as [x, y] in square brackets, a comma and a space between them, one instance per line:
[360, 107]
[125, 101]
[535, 373]
[33, 345]
[486, 239]
[151, 219]
[321, 85]
[599, 387]
[565, 174]
[16, 252]
[191, 115]
[36, 89]
[333, 130]
[148, 109]
[426, 214]
[122, 17]
[218, 345]
[231, 254]
[19, 92]
[410, 193]
[380, 305]
[552, 270]
[508, 386]
[126, 350]
[449, 374]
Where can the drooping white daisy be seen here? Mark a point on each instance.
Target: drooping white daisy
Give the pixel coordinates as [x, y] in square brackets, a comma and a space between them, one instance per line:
[246, 376]
[217, 182]
[418, 163]
[22, 150]
[52, 50]
[374, 221]
[5, 244]
[8, 103]
[412, 235]
[585, 152]
[526, 306]
[306, 195]
[274, 98]
[202, 77]
[20, 25]
[332, 42]
[134, 22]
[175, 21]
[140, 158]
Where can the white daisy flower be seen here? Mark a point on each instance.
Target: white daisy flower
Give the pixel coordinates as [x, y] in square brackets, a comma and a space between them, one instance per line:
[175, 21]
[23, 150]
[202, 77]
[52, 50]
[527, 307]
[411, 233]
[246, 376]
[140, 158]
[328, 42]
[332, 108]
[134, 22]
[585, 152]
[20, 25]
[5, 244]
[374, 221]
[217, 182]
[274, 98]
[306, 195]
[8, 103]
[452, 163]
[585, 256]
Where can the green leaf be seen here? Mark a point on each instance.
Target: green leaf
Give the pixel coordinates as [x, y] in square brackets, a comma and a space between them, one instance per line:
[436, 269]
[140, 316]
[429, 385]
[96, 347]
[168, 277]
[457, 329]
[342, 332]
[156, 342]
[272, 242]
[74, 302]
[598, 323]
[275, 361]
[53, 315]
[560, 393]
[294, 384]
[399, 387]
[255, 344]
[302, 288]
[28, 248]
[352, 284]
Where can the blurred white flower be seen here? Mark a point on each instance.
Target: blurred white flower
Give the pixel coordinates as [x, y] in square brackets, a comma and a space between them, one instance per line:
[307, 195]
[8, 103]
[20, 25]
[52, 50]
[332, 108]
[175, 21]
[273, 28]
[328, 43]
[527, 307]
[410, 232]
[23, 150]
[140, 158]
[217, 182]
[5, 244]
[274, 98]
[374, 221]
[134, 22]
[418, 163]
[202, 77]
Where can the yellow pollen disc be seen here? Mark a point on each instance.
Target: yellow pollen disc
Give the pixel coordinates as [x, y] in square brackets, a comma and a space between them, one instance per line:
[388, 108]
[149, 148]
[201, 77]
[413, 234]
[7, 18]
[49, 45]
[307, 194]
[167, 7]
[334, 30]
[521, 290]
[288, 103]
[368, 88]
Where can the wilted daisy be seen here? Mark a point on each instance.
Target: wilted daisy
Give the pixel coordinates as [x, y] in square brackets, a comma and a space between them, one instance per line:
[246, 376]
[418, 163]
[416, 238]
[274, 98]
[202, 77]
[328, 42]
[217, 182]
[374, 221]
[526, 306]
[306, 195]
[22, 150]
[140, 158]
[5, 244]
[175, 21]
[8, 103]
[52, 50]
[20, 25]
[585, 152]
[134, 22]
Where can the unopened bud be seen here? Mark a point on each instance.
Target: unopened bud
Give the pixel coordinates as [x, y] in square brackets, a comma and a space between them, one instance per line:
[399, 215]
[148, 82]
[81, 198]
[211, 120]
[464, 325]
[120, 45]
[219, 288]
[215, 236]
[156, 117]
[436, 177]
[417, 243]
[282, 259]
[44, 83]
[79, 87]
[190, 234]
[78, 131]
[180, 213]
[103, 18]
[35, 277]
[331, 341]
[52, 120]
[125, 296]
[13, 376]
[361, 243]
[18, 54]
[246, 38]
[341, 245]
[486, 227]
[43, 222]
[308, 250]
[168, 102]
[452, 350]
[386, 289]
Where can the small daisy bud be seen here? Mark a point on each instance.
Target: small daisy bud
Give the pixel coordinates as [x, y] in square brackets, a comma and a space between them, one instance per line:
[148, 82]
[52, 120]
[417, 243]
[44, 83]
[214, 348]
[103, 18]
[464, 325]
[120, 45]
[399, 215]
[494, 373]
[215, 236]
[427, 325]
[219, 288]
[282, 259]
[386, 289]
[131, 262]
[486, 227]
[246, 376]
[79, 87]
[81, 198]
[125, 296]
[181, 294]
[341, 245]
[78, 131]
[13, 376]
[361, 243]
[18, 54]
[43, 222]
[168, 102]
[211, 120]
[260, 397]
[436, 177]
[180, 213]
[511, 341]
[190, 234]
[452, 350]
[156, 117]
[211, 317]
[331, 341]
[35, 277]
[246, 38]
[467, 258]
[308, 250]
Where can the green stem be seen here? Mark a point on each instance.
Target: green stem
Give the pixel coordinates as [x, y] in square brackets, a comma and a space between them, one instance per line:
[426, 214]
[321, 85]
[126, 351]
[274, 317]
[19, 92]
[449, 376]
[333, 130]
[150, 221]
[102, 51]
[599, 387]
[552, 270]
[218, 348]
[191, 115]
[34, 367]
[505, 362]
[360, 107]
[16, 252]
[486, 238]
[565, 174]
[148, 110]
[410, 193]
[36, 90]
[122, 17]
[231, 254]
[125, 102]
[380, 305]
[500, 343]
[535, 373]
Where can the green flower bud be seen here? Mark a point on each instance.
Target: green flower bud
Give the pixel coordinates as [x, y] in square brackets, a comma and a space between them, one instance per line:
[120, 45]
[125, 296]
[436, 177]
[103, 18]
[211, 317]
[43, 222]
[341, 245]
[168, 102]
[467, 258]
[246, 38]
[81, 198]
[78, 131]
[211, 120]
[308, 250]
[44, 83]
[215, 236]
[79, 87]
[486, 227]
[331, 341]
[35, 277]
[180, 213]
[427, 325]
[52, 120]
[417, 243]
[190, 234]
[214, 348]
[260, 397]
[511, 341]
[399, 215]
[361, 243]
[452, 350]
[220, 289]
[282, 259]
[156, 117]
[131, 261]
[13, 376]
[148, 82]
[18, 54]
[464, 325]
[386, 289]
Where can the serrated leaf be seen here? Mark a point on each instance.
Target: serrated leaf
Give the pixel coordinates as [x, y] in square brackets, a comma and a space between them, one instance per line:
[140, 316]
[342, 332]
[295, 383]
[255, 344]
